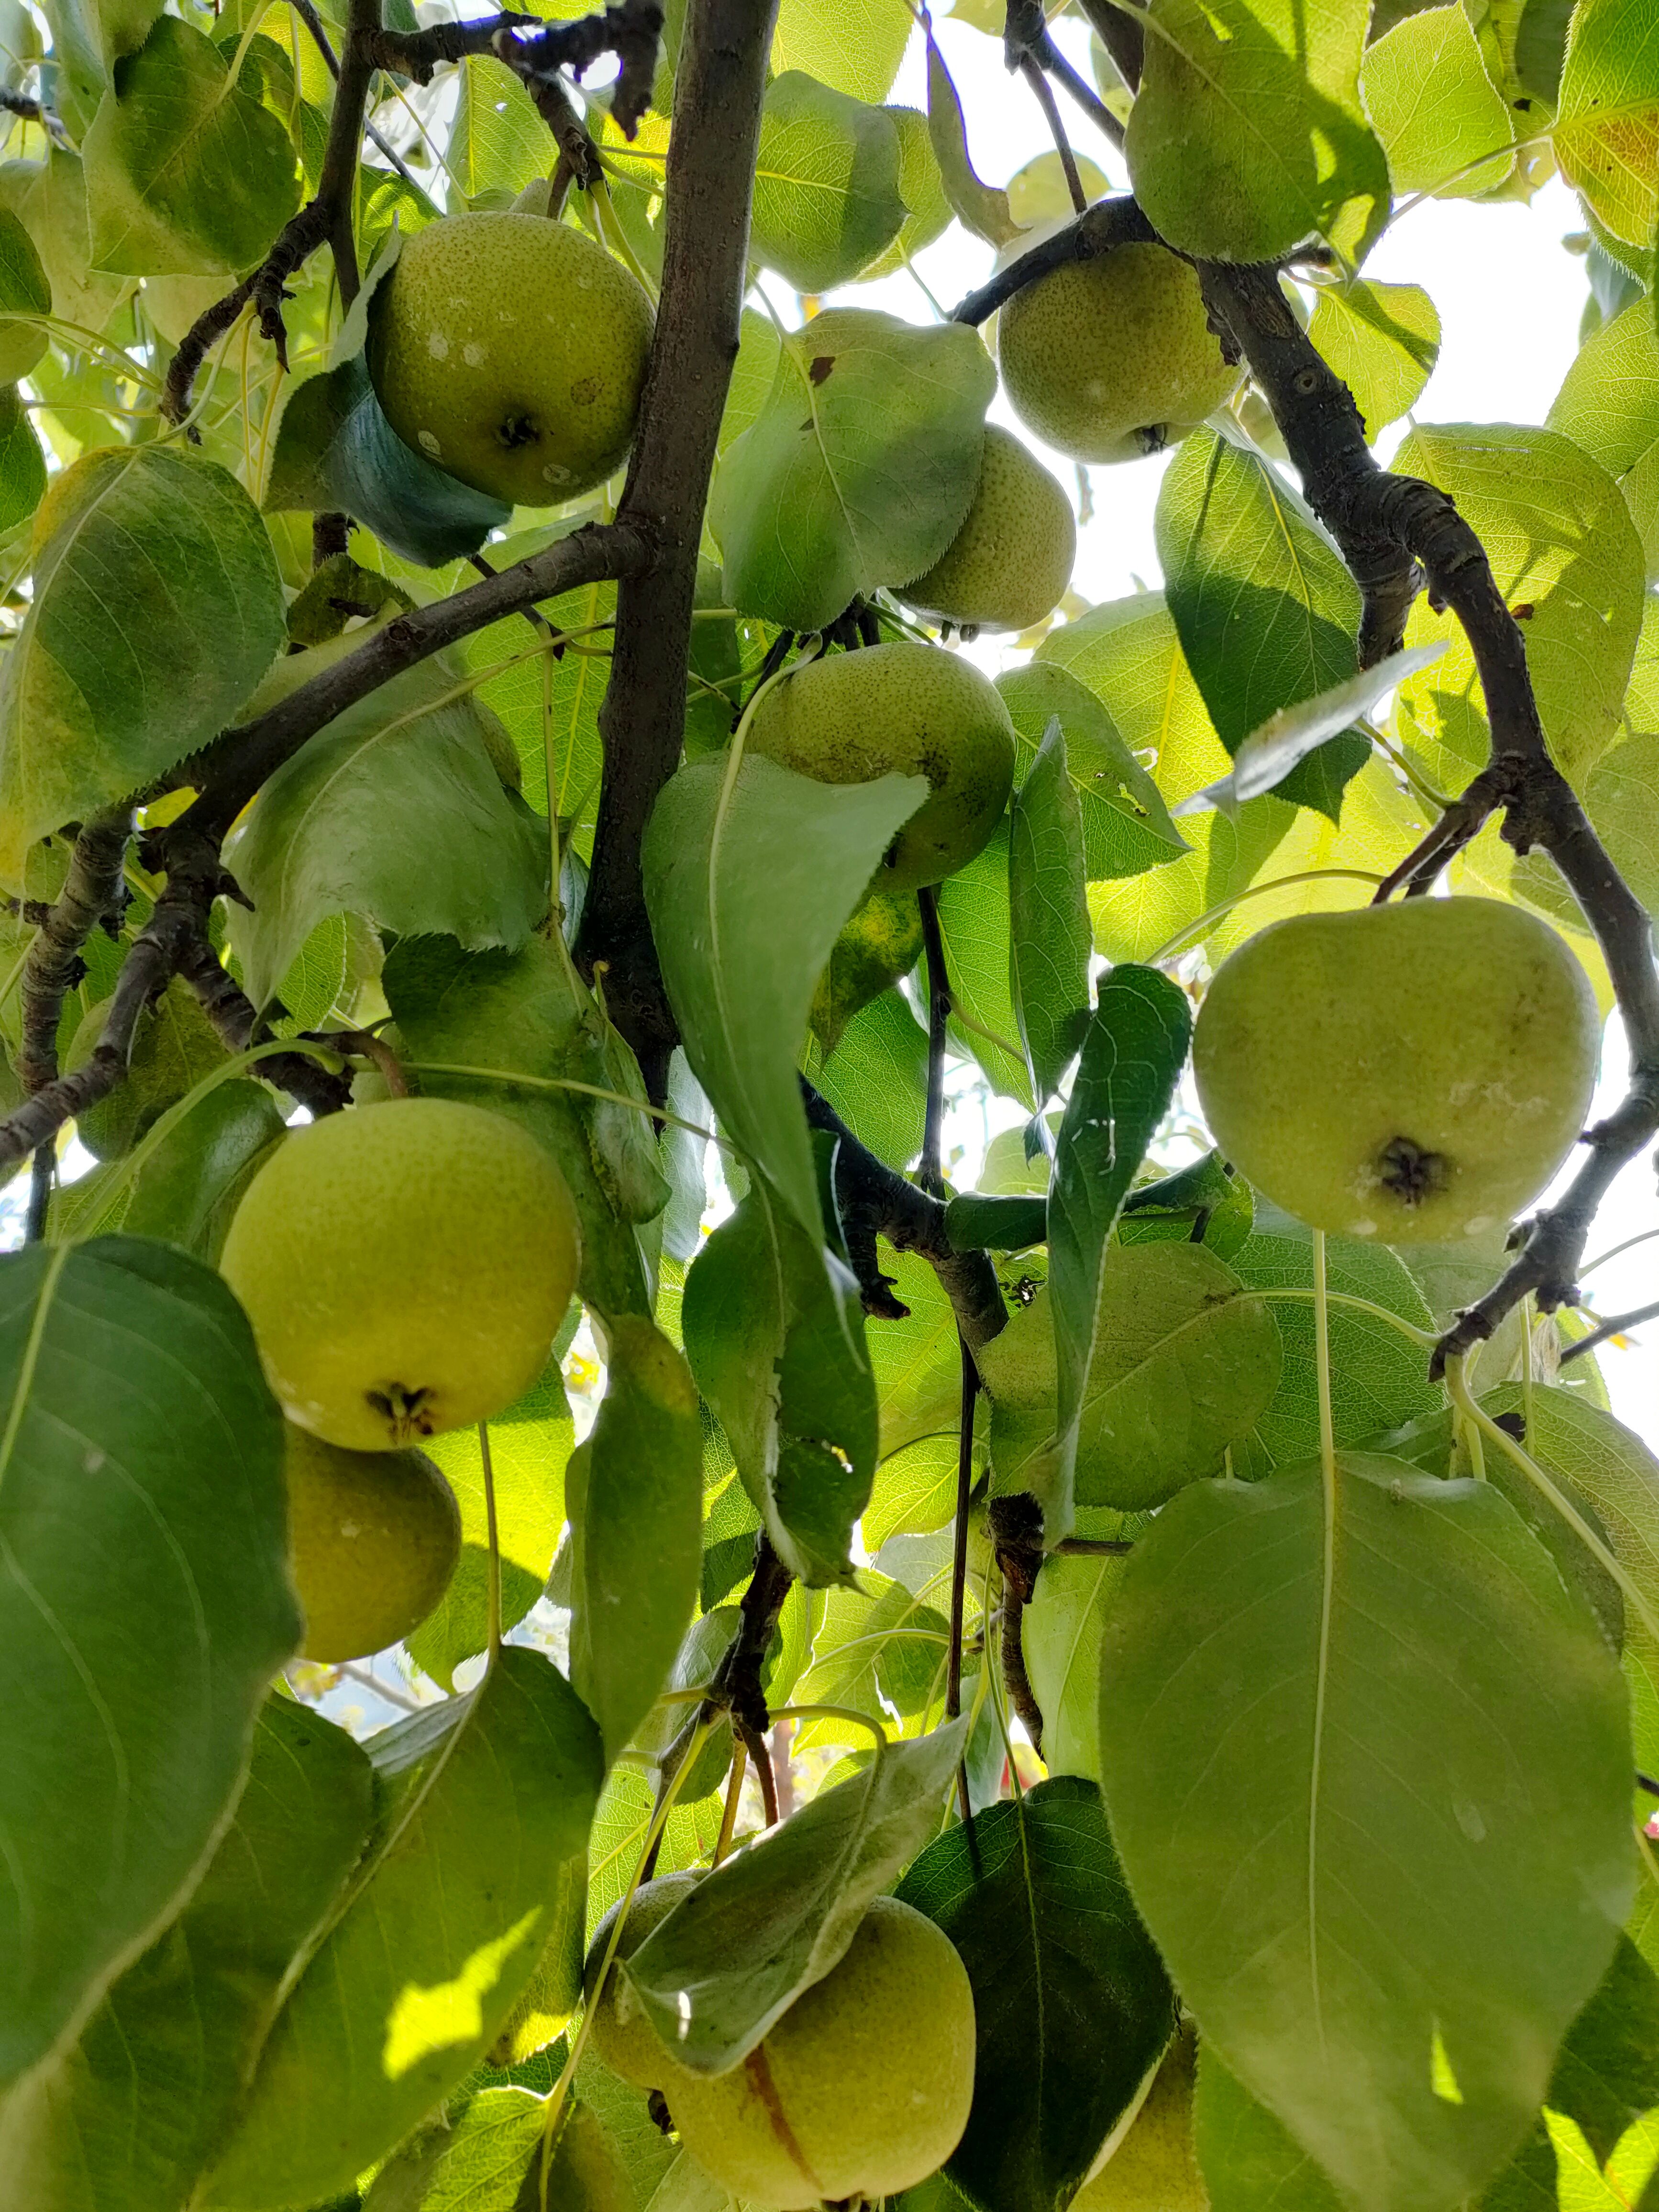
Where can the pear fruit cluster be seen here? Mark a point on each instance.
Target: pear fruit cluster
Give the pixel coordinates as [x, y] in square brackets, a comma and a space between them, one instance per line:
[860, 2090]
[903, 709]
[511, 350]
[405, 1266]
[1413, 1072]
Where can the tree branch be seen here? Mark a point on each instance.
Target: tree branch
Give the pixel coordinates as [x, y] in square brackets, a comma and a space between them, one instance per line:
[229, 771]
[931, 1173]
[631, 30]
[1106, 224]
[93, 896]
[876, 1201]
[1028, 46]
[1614, 1325]
[710, 179]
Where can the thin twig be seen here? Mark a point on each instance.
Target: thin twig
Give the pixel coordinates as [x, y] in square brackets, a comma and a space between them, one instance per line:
[1031, 70]
[931, 1172]
[1615, 1325]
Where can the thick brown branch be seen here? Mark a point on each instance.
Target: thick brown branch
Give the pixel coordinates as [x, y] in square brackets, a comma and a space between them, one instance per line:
[1106, 224]
[709, 177]
[228, 771]
[92, 897]
[875, 1200]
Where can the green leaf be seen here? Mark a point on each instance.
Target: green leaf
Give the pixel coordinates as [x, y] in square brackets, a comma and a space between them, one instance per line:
[1435, 109]
[1050, 942]
[633, 1492]
[1606, 126]
[877, 1646]
[880, 943]
[1608, 2075]
[852, 45]
[334, 449]
[1073, 2007]
[733, 1957]
[826, 184]
[1266, 609]
[975, 926]
[922, 190]
[22, 464]
[1204, 1204]
[775, 1336]
[1060, 1633]
[1560, 541]
[1247, 133]
[487, 2157]
[186, 176]
[1250, 2162]
[1006, 1225]
[189, 1186]
[530, 1444]
[393, 811]
[1608, 405]
[876, 1079]
[1133, 1055]
[748, 879]
[141, 1499]
[1379, 1379]
[1126, 824]
[1607, 1464]
[86, 36]
[980, 208]
[156, 609]
[50, 200]
[486, 1801]
[859, 469]
[1383, 340]
[24, 293]
[137, 2110]
[1393, 1976]
[495, 1016]
[918, 1361]
[497, 142]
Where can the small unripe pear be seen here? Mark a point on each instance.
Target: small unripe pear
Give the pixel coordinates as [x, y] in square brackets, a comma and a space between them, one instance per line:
[405, 1266]
[905, 709]
[1154, 2168]
[1110, 358]
[860, 2090]
[511, 351]
[622, 2034]
[1009, 562]
[373, 1538]
[1412, 1072]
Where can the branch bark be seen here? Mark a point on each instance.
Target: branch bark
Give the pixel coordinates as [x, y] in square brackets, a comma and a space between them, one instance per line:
[710, 170]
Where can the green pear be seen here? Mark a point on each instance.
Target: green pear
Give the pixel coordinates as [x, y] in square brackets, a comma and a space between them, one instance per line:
[622, 2034]
[905, 709]
[1108, 360]
[880, 941]
[1010, 562]
[173, 1047]
[1154, 2166]
[405, 1266]
[511, 350]
[1413, 1072]
[373, 1538]
[860, 2090]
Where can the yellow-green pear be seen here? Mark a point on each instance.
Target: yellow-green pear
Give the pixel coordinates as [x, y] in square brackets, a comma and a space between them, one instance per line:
[511, 351]
[1413, 1072]
[1009, 564]
[860, 2090]
[1110, 358]
[622, 2034]
[373, 1538]
[1153, 2168]
[905, 709]
[405, 1266]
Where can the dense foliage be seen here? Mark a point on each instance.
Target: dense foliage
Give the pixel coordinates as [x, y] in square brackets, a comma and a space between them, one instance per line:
[1124, 1670]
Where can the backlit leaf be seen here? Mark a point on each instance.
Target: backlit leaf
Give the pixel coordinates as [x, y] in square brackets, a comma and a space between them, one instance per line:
[1050, 939]
[826, 184]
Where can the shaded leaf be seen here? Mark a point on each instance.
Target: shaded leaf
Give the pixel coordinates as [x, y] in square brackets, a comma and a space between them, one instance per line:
[1306, 1653]
[142, 1497]
[633, 1492]
[1072, 2004]
[876, 1079]
[156, 609]
[486, 1799]
[1050, 942]
[191, 1185]
[858, 469]
[748, 876]
[826, 184]
[185, 175]
[980, 208]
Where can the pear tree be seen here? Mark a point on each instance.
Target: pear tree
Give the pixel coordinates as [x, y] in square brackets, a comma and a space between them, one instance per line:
[802, 1397]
